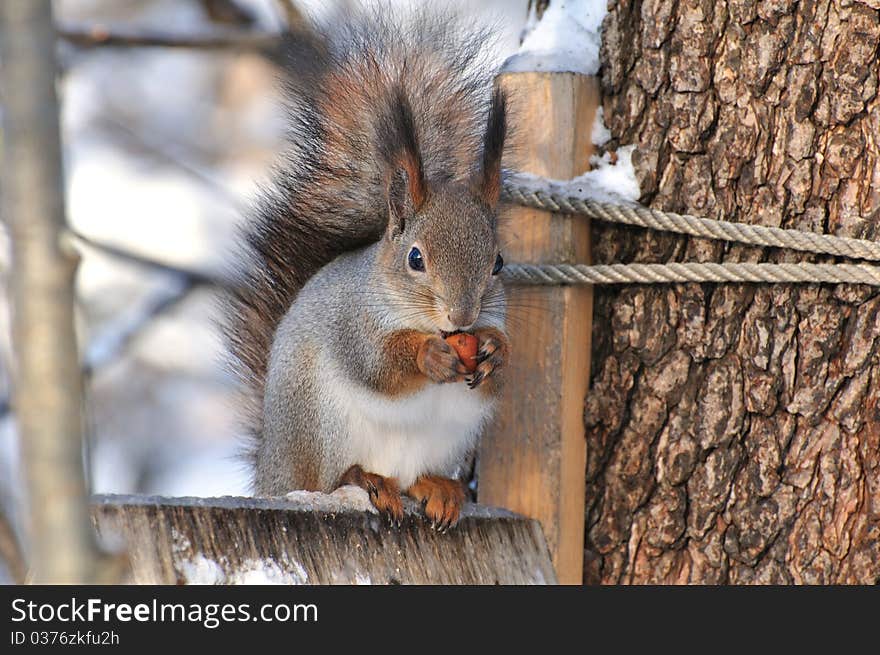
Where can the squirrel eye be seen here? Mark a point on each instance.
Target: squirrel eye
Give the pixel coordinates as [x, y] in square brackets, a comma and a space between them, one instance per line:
[415, 260]
[499, 264]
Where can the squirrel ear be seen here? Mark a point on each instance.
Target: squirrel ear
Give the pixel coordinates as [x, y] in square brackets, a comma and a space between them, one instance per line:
[406, 189]
[403, 201]
[493, 146]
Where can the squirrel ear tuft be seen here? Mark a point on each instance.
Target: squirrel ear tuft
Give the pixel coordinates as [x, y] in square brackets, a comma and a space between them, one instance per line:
[493, 147]
[398, 139]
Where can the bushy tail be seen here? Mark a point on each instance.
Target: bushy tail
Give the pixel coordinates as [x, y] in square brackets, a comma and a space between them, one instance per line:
[345, 83]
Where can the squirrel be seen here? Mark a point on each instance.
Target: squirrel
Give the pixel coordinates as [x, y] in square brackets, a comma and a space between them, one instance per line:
[374, 241]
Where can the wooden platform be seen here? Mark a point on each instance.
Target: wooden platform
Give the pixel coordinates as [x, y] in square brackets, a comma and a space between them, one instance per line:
[316, 539]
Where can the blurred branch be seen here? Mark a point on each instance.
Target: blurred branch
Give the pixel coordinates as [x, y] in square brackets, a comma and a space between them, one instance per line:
[49, 386]
[107, 348]
[293, 17]
[196, 277]
[227, 12]
[99, 36]
[118, 37]
[190, 281]
[10, 551]
[178, 159]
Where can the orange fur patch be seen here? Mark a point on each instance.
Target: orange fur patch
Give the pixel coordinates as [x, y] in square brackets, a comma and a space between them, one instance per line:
[441, 497]
[400, 372]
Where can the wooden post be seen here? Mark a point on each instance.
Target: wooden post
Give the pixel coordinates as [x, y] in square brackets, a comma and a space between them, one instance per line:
[532, 460]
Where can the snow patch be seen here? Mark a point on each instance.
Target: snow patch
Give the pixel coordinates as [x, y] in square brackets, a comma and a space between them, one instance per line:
[565, 39]
[609, 182]
[354, 497]
[201, 570]
[346, 498]
[618, 178]
[256, 572]
[599, 133]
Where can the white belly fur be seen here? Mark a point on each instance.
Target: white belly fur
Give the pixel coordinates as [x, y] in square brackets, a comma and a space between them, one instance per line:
[425, 432]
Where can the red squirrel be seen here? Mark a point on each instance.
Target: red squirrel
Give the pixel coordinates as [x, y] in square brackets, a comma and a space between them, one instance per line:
[375, 241]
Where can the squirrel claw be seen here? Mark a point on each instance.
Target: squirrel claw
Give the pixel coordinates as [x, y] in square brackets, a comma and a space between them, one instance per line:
[476, 379]
[486, 351]
[442, 499]
[491, 355]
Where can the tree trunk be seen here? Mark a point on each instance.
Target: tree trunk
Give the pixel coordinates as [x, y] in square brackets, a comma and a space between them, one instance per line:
[48, 385]
[734, 430]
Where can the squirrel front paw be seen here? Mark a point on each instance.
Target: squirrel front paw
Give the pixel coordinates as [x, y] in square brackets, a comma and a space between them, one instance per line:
[439, 361]
[442, 499]
[492, 350]
[383, 492]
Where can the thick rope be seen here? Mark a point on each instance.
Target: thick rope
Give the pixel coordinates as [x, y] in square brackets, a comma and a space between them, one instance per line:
[568, 274]
[577, 198]
[654, 219]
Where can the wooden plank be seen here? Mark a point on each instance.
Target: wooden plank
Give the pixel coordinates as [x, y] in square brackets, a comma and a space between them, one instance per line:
[313, 538]
[532, 460]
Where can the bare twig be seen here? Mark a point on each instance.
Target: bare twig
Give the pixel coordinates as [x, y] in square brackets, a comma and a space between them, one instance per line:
[49, 386]
[118, 37]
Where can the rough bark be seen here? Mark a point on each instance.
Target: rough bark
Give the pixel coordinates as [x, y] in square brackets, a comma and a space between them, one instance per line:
[734, 431]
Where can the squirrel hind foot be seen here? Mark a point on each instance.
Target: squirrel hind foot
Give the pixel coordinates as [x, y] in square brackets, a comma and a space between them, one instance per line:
[442, 499]
[383, 492]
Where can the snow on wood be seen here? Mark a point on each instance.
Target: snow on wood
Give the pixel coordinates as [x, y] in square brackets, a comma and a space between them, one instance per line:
[311, 538]
[609, 182]
[565, 40]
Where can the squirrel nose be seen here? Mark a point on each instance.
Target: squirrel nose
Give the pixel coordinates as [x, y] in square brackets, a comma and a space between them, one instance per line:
[462, 317]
